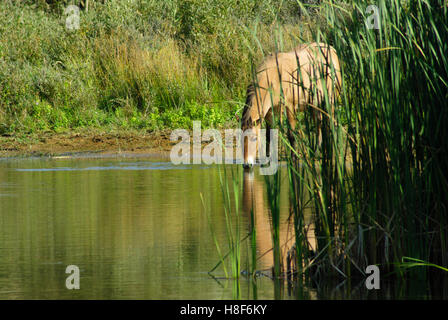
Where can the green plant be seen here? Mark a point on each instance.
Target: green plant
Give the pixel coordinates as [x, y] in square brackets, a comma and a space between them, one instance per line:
[231, 195]
[378, 177]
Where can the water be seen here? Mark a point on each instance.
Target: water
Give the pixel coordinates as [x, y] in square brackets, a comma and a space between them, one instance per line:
[135, 227]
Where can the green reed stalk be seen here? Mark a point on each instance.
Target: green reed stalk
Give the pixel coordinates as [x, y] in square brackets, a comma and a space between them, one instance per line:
[232, 217]
[273, 190]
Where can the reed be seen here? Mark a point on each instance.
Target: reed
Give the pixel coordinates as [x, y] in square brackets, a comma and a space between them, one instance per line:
[231, 194]
[378, 180]
[373, 164]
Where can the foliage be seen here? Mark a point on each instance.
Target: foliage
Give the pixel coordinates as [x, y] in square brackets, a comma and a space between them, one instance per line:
[137, 63]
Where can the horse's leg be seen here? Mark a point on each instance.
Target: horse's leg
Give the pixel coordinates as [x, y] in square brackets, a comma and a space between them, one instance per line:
[268, 140]
[319, 130]
[291, 116]
[257, 128]
[268, 121]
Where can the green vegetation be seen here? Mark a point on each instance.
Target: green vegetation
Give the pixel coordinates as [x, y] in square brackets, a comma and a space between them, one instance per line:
[378, 181]
[231, 195]
[140, 64]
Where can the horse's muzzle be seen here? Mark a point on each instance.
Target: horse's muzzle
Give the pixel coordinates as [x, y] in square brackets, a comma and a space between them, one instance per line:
[248, 166]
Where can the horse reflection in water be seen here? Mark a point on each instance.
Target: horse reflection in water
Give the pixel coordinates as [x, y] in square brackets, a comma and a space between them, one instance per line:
[254, 199]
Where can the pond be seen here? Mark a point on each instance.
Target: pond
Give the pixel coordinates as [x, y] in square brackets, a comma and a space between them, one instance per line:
[136, 228]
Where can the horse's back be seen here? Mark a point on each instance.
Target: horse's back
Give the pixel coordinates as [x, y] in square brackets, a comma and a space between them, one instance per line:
[302, 55]
[280, 73]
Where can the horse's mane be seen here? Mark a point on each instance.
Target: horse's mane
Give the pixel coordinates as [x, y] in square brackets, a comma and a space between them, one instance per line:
[246, 119]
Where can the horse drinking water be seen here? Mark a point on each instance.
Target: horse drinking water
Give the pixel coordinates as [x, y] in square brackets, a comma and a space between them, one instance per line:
[288, 80]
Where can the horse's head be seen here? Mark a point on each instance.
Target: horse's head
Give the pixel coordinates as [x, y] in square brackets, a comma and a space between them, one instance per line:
[250, 142]
[251, 130]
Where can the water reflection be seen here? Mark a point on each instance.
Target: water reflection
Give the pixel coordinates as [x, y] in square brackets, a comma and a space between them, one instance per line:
[254, 199]
[135, 227]
[254, 202]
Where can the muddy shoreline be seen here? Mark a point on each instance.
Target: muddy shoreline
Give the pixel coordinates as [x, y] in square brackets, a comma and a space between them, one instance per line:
[83, 143]
[91, 144]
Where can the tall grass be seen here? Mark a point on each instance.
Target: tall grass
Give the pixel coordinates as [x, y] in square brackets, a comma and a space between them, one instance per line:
[231, 193]
[373, 164]
[140, 64]
[379, 179]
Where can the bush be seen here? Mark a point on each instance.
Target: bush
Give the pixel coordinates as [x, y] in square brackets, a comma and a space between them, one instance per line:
[139, 63]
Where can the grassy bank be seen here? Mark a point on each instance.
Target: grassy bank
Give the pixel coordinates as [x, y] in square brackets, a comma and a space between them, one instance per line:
[139, 64]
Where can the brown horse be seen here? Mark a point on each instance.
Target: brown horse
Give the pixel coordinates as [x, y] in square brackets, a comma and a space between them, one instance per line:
[292, 80]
